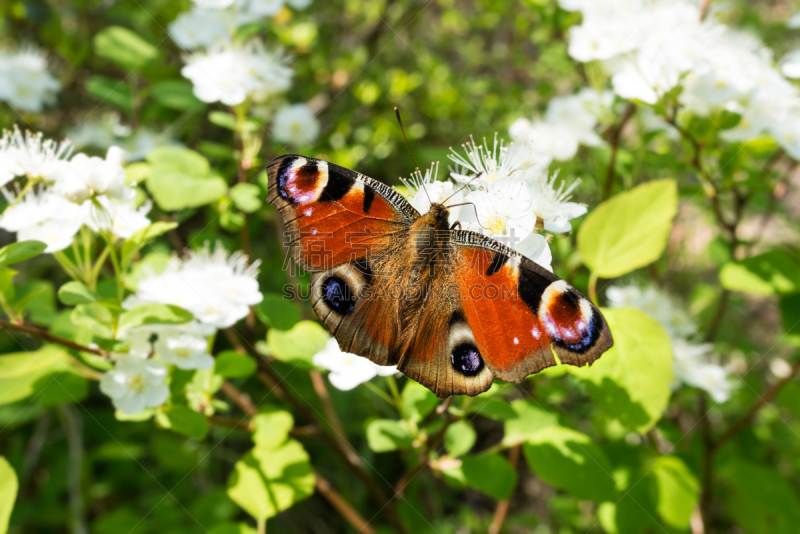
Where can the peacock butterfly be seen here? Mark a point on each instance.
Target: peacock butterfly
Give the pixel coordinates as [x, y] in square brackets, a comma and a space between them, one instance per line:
[451, 308]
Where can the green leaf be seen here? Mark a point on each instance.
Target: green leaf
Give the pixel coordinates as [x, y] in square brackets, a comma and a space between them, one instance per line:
[417, 401]
[97, 318]
[176, 94]
[20, 251]
[678, 491]
[246, 197]
[773, 272]
[529, 417]
[459, 438]
[7, 288]
[758, 498]
[266, 481]
[141, 237]
[569, 460]
[490, 474]
[183, 420]
[231, 364]
[124, 47]
[153, 313]
[630, 230]
[20, 371]
[8, 493]
[232, 528]
[631, 382]
[136, 173]
[62, 387]
[790, 315]
[110, 91]
[271, 427]
[495, 408]
[385, 435]
[223, 119]
[174, 190]
[277, 312]
[176, 158]
[299, 344]
[74, 293]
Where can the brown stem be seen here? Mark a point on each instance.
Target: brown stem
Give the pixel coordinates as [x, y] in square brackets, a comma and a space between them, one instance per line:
[230, 422]
[173, 235]
[716, 321]
[47, 336]
[704, 8]
[242, 400]
[708, 464]
[762, 401]
[322, 392]
[342, 506]
[614, 139]
[502, 507]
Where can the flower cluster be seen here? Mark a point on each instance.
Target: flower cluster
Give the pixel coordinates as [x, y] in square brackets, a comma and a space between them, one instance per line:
[348, 370]
[73, 190]
[225, 70]
[496, 191]
[25, 82]
[216, 287]
[652, 47]
[107, 130]
[569, 121]
[692, 365]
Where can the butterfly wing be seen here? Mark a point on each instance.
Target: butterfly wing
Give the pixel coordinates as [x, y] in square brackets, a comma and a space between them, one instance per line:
[522, 314]
[338, 223]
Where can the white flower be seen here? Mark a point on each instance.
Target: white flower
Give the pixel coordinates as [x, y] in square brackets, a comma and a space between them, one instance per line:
[348, 370]
[200, 28]
[568, 123]
[136, 383]
[552, 206]
[299, 4]
[504, 211]
[230, 74]
[535, 247]
[218, 289]
[213, 4]
[99, 131]
[185, 352]
[261, 8]
[87, 177]
[424, 189]
[790, 64]
[295, 124]
[44, 216]
[713, 379]
[25, 82]
[123, 218]
[793, 22]
[488, 165]
[32, 155]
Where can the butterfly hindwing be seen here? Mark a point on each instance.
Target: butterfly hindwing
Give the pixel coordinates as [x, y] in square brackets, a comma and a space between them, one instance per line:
[522, 313]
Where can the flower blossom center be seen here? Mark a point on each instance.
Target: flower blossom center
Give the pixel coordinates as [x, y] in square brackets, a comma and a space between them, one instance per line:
[496, 225]
[136, 383]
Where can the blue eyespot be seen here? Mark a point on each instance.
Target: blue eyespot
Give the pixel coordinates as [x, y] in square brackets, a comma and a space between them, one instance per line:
[466, 359]
[338, 295]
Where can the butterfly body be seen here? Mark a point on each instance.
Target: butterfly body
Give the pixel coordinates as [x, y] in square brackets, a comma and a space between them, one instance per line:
[451, 308]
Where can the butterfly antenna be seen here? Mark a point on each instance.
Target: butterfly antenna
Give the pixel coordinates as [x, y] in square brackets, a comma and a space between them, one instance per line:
[408, 147]
[477, 219]
[461, 189]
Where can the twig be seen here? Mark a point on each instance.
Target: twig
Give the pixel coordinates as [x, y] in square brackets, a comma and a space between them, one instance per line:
[424, 457]
[322, 392]
[242, 400]
[708, 464]
[716, 321]
[614, 138]
[502, 507]
[230, 422]
[74, 433]
[47, 336]
[762, 401]
[342, 506]
[704, 8]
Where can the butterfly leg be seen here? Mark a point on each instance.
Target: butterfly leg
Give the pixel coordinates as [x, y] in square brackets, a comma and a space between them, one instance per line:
[455, 225]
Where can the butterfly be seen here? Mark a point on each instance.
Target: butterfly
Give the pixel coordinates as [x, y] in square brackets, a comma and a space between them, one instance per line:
[451, 308]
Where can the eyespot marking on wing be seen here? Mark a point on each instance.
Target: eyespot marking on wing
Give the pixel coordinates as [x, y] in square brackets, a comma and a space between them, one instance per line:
[568, 318]
[338, 295]
[301, 181]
